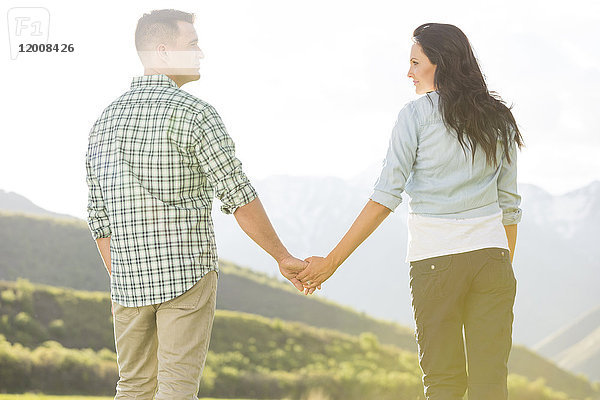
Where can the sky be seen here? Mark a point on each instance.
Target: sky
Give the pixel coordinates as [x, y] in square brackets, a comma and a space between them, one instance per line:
[304, 87]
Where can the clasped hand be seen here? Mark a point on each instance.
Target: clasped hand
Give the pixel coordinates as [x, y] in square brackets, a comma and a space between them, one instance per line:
[307, 275]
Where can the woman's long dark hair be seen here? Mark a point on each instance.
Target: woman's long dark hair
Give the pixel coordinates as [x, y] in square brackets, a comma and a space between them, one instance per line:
[465, 103]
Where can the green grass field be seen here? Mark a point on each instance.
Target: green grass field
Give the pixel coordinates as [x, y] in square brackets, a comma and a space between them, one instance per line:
[31, 396]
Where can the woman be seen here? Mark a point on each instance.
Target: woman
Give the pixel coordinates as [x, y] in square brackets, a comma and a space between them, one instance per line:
[454, 152]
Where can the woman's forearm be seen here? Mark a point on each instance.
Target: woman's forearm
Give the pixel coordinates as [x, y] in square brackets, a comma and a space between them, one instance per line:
[511, 235]
[371, 216]
[320, 269]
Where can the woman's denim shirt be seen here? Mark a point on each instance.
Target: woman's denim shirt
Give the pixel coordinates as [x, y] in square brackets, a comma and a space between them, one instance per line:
[426, 160]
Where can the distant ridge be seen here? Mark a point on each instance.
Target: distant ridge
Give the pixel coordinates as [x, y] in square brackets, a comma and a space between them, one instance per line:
[577, 346]
[583, 357]
[13, 202]
[561, 340]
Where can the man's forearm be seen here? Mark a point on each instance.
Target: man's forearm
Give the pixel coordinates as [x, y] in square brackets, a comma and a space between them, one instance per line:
[511, 235]
[253, 220]
[104, 249]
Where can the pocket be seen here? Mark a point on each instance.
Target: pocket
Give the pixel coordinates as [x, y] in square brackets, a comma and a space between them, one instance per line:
[428, 277]
[125, 314]
[431, 266]
[499, 268]
[497, 253]
[186, 301]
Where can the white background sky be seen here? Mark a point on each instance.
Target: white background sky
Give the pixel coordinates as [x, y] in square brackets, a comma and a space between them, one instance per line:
[304, 87]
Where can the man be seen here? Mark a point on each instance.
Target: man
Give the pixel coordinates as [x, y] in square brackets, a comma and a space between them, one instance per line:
[156, 157]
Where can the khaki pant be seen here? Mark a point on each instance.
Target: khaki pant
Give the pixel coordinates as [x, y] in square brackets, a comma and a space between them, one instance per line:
[161, 348]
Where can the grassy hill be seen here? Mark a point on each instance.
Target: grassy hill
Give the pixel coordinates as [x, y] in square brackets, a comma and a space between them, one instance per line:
[250, 356]
[62, 253]
[44, 331]
[57, 252]
[533, 366]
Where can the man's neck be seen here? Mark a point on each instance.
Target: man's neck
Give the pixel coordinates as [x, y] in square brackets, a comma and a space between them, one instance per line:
[179, 80]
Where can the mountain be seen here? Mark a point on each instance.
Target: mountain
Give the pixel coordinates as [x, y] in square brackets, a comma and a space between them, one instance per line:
[556, 260]
[576, 347]
[10, 201]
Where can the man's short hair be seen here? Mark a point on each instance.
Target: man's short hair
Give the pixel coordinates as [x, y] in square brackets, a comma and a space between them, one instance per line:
[159, 26]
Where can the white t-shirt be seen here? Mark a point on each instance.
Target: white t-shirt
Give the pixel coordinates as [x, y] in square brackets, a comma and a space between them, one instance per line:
[433, 236]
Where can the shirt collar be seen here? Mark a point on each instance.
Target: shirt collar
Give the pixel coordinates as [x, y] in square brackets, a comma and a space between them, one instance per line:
[434, 96]
[153, 80]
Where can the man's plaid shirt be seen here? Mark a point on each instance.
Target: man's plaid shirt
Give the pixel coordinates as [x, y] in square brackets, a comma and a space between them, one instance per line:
[156, 158]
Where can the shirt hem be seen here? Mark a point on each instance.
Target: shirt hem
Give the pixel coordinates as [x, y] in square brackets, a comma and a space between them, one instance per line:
[459, 250]
[149, 302]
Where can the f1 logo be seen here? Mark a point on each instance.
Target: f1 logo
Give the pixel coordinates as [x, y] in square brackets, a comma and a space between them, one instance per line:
[27, 25]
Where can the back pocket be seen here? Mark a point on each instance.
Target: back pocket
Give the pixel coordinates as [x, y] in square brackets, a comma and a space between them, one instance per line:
[498, 254]
[499, 269]
[428, 277]
[430, 266]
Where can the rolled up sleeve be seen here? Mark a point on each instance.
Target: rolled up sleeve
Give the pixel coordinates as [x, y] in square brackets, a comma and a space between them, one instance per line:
[216, 154]
[97, 216]
[399, 159]
[508, 197]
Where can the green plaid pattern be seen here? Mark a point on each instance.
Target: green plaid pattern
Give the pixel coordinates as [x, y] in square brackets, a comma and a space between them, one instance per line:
[156, 158]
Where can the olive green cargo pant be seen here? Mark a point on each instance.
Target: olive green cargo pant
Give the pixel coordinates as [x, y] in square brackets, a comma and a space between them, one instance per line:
[476, 291]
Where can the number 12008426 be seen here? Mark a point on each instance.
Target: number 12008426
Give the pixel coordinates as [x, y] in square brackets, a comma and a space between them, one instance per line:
[46, 48]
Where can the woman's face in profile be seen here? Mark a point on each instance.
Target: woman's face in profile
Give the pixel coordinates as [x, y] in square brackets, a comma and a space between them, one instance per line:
[421, 70]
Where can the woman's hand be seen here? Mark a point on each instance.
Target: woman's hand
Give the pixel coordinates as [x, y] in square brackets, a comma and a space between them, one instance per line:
[318, 271]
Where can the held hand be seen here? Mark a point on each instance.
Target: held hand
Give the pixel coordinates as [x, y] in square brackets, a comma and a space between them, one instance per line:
[311, 290]
[318, 271]
[290, 267]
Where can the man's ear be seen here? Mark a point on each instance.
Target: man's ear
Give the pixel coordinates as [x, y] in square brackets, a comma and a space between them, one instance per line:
[161, 50]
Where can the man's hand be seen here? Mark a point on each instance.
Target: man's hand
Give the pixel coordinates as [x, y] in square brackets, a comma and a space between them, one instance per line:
[318, 271]
[290, 267]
